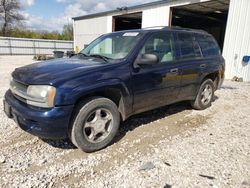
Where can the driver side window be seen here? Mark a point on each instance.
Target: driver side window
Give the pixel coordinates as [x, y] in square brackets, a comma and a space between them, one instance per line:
[161, 45]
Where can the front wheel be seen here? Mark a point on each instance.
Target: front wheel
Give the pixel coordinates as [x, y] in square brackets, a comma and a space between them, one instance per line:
[205, 95]
[95, 125]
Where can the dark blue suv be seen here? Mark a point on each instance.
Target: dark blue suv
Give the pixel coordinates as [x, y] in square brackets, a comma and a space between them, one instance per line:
[120, 74]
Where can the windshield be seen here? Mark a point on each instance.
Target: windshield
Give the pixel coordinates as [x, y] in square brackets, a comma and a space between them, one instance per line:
[113, 46]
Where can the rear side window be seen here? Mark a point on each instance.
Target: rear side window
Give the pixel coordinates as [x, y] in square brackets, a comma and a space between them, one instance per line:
[208, 45]
[189, 48]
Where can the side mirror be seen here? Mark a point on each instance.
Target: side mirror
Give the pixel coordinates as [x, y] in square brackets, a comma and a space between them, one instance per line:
[148, 59]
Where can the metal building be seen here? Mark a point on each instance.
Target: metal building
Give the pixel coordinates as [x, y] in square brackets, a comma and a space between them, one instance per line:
[227, 20]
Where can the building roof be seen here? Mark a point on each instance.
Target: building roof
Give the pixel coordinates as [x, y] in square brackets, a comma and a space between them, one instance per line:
[120, 10]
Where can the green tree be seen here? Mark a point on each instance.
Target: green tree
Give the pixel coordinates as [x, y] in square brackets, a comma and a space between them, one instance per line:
[9, 14]
[22, 32]
[67, 33]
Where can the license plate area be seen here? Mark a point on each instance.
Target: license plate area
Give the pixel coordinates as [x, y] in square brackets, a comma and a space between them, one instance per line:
[7, 109]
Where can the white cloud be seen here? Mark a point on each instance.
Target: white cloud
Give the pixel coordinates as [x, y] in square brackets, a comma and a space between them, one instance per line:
[54, 23]
[100, 7]
[62, 1]
[27, 3]
[75, 8]
[24, 14]
[93, 6]
[40, 23]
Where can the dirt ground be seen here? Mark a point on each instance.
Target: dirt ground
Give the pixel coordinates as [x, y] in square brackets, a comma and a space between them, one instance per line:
[174, 146]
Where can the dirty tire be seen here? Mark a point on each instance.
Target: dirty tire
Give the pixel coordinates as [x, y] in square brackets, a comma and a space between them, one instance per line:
[81, 124]
[198, 103]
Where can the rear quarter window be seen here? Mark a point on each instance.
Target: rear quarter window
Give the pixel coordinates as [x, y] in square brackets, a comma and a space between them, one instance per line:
[189, 48]
[209, 46]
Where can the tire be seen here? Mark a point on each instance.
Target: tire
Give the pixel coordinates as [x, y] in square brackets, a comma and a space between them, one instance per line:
[95, 124]
[202, 100]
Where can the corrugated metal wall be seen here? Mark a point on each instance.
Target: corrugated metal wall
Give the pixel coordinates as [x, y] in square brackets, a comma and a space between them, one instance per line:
[23, 46]
[85, 31]
[237, 39]
[158, 16]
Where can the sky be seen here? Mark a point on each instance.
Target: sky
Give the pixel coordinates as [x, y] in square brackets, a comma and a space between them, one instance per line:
[51, 15]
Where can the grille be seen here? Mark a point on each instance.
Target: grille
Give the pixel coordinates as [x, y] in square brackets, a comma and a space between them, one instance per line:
[19, 90]
[20, 98]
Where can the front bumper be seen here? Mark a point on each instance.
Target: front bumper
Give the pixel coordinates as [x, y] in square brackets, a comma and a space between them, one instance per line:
[50, 123]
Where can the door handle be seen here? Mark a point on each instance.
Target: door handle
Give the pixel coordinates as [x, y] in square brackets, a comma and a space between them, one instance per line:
[174, 71]
[203, 65]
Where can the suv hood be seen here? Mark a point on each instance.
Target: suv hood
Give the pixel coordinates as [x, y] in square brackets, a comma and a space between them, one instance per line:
[51, 71]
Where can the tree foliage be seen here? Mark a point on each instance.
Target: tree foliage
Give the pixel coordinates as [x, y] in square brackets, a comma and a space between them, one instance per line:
[67, 32]
[54, 35]
[10, 17]
[9, 14]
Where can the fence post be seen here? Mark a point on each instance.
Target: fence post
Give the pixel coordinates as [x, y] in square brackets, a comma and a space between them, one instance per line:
[55, 45]
[10, 46]
[34, 46]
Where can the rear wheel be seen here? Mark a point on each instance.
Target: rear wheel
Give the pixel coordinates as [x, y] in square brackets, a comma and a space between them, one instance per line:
[95, 125]
[205, 95]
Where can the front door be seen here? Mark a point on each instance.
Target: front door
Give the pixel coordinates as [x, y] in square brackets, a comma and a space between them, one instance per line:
[157, 84]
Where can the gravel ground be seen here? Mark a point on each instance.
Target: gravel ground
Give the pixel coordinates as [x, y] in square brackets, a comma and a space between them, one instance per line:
[173, 146]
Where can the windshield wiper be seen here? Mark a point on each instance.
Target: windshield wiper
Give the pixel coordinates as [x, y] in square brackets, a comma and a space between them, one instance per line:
[81, 53]
[106, 59]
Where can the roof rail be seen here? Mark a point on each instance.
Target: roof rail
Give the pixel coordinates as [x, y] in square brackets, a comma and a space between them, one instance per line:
[187, 29]
[174, 27]
[155, 27]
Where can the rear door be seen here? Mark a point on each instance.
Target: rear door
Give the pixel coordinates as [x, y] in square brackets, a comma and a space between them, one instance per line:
[211, 52]
[192, 64]
[156, 85]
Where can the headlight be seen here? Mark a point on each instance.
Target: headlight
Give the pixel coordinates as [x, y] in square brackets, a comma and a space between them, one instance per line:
[41, 95]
